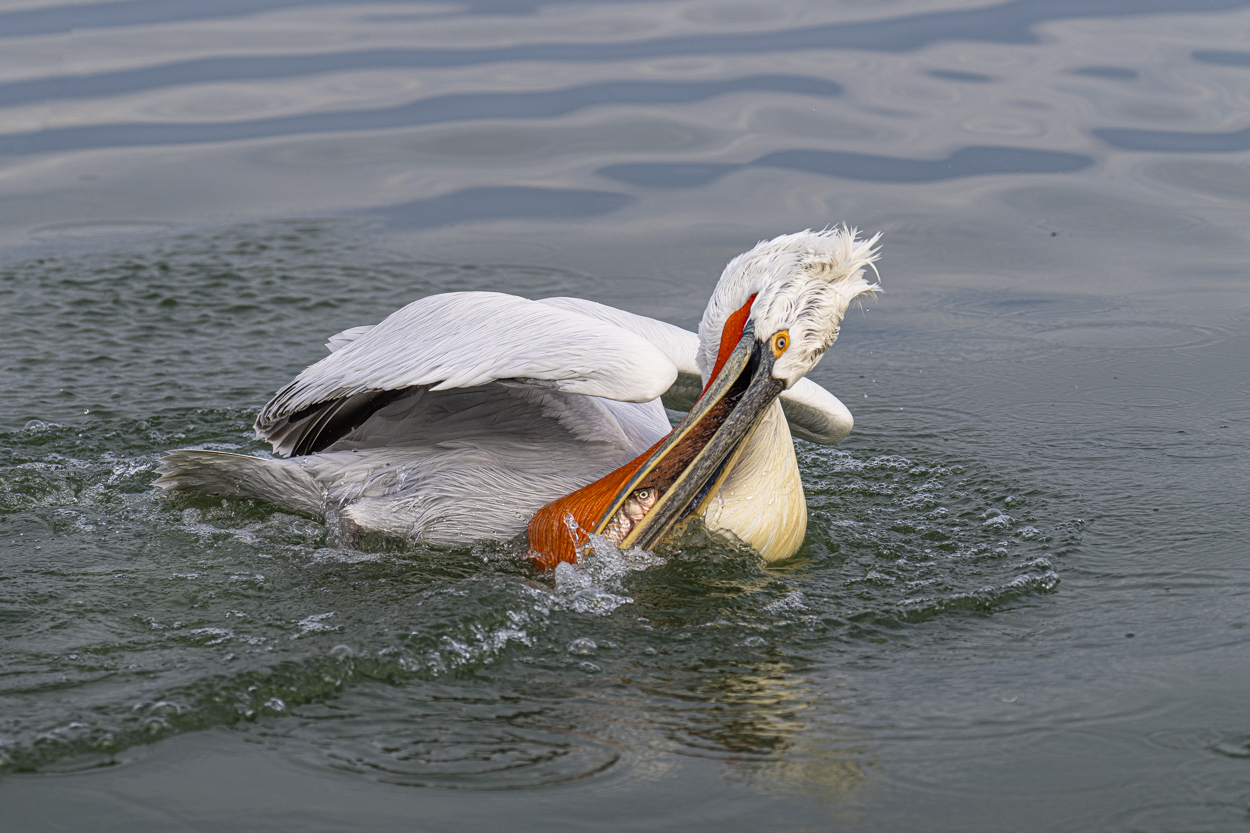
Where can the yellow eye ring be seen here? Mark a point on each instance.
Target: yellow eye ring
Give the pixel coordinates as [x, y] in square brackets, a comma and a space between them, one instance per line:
[780, 342]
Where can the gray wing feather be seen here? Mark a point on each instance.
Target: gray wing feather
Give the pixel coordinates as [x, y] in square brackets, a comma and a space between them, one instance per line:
[279, 482]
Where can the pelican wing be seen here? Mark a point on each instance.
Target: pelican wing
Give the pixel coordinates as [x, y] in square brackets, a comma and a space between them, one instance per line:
[814, 414]
[679, 345]
[461, 340]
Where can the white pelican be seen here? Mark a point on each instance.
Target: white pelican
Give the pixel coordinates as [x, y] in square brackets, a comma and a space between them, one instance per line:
[478, 415]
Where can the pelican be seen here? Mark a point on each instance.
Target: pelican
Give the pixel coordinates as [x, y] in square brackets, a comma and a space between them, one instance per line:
[478, 415]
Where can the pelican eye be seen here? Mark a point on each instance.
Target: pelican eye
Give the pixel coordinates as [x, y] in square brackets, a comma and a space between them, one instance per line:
[780, 342]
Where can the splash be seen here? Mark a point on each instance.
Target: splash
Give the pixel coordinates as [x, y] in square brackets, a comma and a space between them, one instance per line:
[593, 585]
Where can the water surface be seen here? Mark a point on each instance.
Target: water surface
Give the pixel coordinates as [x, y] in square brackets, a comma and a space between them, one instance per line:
[1022, 600]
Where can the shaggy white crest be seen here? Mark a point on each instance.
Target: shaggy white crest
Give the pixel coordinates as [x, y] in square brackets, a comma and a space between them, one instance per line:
[803, 283]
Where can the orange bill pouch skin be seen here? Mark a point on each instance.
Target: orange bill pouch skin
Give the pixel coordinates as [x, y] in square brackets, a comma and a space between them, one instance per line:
[560, 531]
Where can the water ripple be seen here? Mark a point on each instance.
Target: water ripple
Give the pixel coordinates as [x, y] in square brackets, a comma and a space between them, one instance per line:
[432, 110]
[1175, 141]
[500, 203]
[1222, 57]
[868, 167]
[1010, 22]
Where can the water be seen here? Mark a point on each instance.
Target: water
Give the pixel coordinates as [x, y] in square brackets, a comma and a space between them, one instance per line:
[1021, 603]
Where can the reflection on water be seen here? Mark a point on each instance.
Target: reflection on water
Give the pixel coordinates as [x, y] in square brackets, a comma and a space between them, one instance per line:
[1019, 604]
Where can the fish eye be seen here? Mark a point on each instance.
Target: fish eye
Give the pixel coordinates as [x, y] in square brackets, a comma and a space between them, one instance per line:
[780, 342]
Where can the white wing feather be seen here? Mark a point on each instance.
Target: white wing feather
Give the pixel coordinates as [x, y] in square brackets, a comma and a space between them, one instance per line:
[679, 345]
[338, 341]
[814, 413]
[465, 339]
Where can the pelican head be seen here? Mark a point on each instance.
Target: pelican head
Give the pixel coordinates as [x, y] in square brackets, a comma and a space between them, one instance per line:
[796, 289]
[774, 313]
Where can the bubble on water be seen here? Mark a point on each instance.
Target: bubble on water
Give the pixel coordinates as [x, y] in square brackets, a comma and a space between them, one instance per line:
[39, 426]
[165, 708]
[1045, 582]
[998, 519]
[583, 646]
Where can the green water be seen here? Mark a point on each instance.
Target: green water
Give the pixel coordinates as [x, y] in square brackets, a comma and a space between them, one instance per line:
[163, 614]
[1022, 602]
